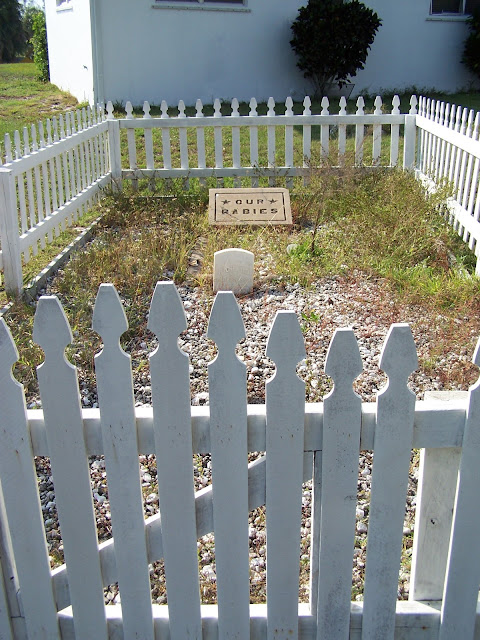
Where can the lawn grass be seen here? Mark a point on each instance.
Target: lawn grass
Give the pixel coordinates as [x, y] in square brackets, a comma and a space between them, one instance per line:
[24, 100]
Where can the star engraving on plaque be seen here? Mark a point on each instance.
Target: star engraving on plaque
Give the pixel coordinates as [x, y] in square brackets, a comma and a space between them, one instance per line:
[225, 201]
[272, 201]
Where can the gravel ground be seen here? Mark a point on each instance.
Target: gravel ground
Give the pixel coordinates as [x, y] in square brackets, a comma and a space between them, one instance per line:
[357, 302]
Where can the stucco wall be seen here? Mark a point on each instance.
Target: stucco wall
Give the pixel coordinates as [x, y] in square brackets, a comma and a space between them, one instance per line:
[189, 54]
[148, 53]
[413, 48]
[70, 47]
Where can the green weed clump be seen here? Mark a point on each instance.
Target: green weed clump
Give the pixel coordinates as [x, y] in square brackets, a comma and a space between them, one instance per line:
[383, 223]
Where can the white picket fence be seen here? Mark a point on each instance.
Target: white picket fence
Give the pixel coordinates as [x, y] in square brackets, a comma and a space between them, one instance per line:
[43, 186]
[302, 441]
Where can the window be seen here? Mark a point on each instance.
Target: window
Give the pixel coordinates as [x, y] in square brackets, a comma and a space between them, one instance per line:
[455, 7]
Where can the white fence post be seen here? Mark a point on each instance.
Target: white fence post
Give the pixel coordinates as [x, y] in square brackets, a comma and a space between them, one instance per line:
[409, 137]
[437, 483]
[114, 149]
[9, 234]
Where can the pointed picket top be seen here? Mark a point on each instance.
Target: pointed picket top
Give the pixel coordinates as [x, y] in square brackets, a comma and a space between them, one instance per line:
[360, 106]
[469, 129]
[464, 120]
[235, 106]
[289, 106]
[399, 355]
[271, 107]
[33, 131]
[343, 106]
[395, 105]
[18, 145]
[71, 114]
[129, 110]
[51, 330]
[62, 126]
[55, 129]
[8, 352]
[442, 112]
[343, 362]
[217, 106]
[225, 326]
[446, 117]
[437, 111]
[109, 318]
[41, 135]
[49, 131]
[8, 148]
[285, 343]
[413, 105]
[166, 318]
[199, 108]
[378, 106]
[181, 109]
[307, 104]
[253, 107]
[325, 104]
[164, 109]
[26, 142]
[110, 110]
[146, 109]
[476, 125]
[452, 116]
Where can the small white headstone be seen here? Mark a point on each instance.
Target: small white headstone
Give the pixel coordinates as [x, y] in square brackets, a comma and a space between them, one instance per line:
[233, 271]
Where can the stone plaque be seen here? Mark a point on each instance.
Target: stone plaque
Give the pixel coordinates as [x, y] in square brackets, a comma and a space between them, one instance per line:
[249, 206]
[233, 271]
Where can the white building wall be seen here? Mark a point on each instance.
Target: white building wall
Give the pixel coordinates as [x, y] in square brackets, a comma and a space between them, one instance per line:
[70, 47]
[174, 54]
[413, 48]
[149, 53]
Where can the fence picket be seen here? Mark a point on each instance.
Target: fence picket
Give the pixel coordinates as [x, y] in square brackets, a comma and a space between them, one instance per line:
[324, 132]
[359, 132]
[253, 131]
[271, 147]
[169, 368]
[342, 132]
[45, 183]
[289, 141]
[463, 570]
[58, 383]
[395, 133]
[342, 419]
[307, 133]
[119, 436]
[218, 138]
[285, 403]
[131, 144]
[38, 185]
[393, 443]
[201, 161]
[18, 477]
[228, 435]
[377, 134]
[182, 134]
[236, 141]
[166, 148]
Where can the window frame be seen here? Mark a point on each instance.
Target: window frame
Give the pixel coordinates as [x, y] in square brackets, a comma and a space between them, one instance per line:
[203, 5]
[451, 14]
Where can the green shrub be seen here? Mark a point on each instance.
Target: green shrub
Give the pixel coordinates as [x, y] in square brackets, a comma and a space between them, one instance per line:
[40, 51]
[332, 39]
[471, 51]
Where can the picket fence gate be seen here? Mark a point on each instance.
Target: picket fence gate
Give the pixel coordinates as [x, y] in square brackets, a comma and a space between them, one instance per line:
[302, 441]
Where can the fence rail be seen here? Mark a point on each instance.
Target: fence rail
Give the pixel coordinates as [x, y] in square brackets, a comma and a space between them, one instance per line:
[45, 185]
[314, 441]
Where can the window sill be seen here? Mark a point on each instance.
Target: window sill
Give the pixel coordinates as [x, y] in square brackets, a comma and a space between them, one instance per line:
[447, 17]
[199, 7]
